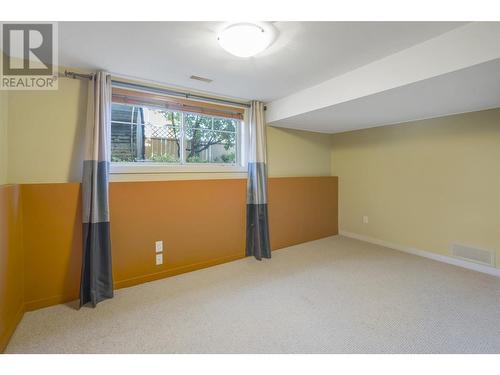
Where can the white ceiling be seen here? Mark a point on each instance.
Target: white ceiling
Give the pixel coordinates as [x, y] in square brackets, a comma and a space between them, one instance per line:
[304, 54]
[455, 72]
[466, 90]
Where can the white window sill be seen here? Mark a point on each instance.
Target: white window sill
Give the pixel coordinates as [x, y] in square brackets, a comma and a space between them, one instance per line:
[147, 168]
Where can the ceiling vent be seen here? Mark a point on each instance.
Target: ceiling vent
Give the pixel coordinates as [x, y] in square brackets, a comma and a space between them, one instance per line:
[473, 254]
[202, 79]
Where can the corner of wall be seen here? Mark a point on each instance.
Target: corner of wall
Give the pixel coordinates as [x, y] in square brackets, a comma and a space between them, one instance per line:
[11, 236]
[4, 121]
[12, 256]
[332, 139]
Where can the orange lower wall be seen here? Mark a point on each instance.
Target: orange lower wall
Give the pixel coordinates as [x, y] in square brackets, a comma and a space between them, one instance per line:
[201, 222]
[11, 262]
[302, 209]
[52, 243]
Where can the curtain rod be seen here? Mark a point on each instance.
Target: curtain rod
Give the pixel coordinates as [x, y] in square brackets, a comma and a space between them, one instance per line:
[74, 75]
[169, 92]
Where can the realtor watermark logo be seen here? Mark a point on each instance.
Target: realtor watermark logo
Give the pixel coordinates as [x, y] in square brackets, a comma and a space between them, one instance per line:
[29, 59]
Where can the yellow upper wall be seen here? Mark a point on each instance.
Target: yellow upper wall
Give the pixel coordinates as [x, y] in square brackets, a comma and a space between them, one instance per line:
[3, 136]
[297, 153]
[425, 184]
[46, 135]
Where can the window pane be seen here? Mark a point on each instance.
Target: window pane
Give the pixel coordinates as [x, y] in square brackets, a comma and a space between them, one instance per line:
[194, 121]
[140, 134]
[144, 134]
[162, 136]
[225, 124]
[162, 143]
[206, 146]
[124, 132]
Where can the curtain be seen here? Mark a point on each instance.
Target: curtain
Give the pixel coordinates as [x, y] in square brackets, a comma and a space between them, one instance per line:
[257, 242]
[96, 282]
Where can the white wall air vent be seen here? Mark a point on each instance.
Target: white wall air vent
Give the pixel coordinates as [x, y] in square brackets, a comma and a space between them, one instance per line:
[473, 254]
[202, 79]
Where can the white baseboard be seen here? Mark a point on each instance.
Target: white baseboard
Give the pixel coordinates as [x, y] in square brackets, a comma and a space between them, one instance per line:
[426, 254]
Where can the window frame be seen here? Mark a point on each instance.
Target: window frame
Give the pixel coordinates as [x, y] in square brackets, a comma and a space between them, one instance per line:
[184, 167]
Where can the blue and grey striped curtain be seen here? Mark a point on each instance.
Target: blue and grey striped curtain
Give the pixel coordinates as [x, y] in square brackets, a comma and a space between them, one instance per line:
[96, 282]
[257, 243]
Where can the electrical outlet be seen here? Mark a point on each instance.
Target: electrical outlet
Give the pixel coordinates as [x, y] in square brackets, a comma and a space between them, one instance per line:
[365, 219]
[159, 259]
[159, 246]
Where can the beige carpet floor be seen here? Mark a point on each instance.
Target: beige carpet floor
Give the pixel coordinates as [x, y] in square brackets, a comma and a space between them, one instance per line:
[335, 295]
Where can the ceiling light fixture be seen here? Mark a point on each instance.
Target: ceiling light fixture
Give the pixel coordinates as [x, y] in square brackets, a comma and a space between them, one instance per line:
[245, 39]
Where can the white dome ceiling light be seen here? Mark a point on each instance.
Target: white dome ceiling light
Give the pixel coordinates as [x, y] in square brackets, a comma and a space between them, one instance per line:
[246, 39]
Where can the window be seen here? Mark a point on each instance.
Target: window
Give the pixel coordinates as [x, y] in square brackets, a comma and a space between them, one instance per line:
[152, 133]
